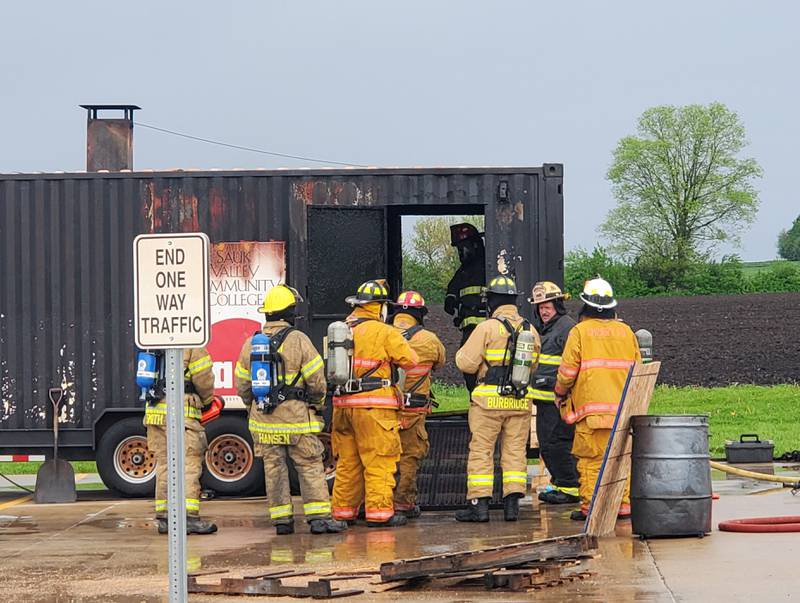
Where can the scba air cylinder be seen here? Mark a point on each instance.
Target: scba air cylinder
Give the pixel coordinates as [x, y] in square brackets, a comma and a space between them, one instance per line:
[260, 367]
[146, 372]
[340, 352]
[645, 339]
[524, 352]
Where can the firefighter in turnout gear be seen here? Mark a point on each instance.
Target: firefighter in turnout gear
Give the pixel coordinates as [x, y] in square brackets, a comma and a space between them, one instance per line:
[599, 352]
[198, 393]
[409, 313]
[465, 289]
[366, 421]
[555, 436]
[285, 424]
[499, 407]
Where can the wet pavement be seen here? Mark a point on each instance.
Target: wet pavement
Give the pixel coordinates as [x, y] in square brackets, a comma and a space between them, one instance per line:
[106, 549]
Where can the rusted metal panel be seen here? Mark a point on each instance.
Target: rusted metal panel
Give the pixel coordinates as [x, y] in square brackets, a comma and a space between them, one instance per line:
[66, 294]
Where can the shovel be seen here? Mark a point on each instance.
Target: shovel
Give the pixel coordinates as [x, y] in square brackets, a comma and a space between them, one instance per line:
[55, 480]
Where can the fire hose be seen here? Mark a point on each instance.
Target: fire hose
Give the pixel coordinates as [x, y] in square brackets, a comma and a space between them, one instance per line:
[790, 523]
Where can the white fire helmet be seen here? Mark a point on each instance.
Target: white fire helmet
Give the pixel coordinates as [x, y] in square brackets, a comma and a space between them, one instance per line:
[598, 293]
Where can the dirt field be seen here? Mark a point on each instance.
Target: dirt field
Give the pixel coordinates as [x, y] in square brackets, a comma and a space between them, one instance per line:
[703, 340]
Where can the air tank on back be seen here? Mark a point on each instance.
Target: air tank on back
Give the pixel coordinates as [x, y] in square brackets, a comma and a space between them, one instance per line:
[522, 361]
[340, 352]
[645, 339]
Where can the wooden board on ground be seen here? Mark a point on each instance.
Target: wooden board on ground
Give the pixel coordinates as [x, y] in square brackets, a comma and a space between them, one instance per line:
[616, 468]
[494, 558]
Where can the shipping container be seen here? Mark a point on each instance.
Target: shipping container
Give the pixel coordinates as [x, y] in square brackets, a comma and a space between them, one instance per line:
[66, 298]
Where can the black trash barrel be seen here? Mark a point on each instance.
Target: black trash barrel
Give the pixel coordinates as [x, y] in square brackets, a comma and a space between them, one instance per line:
[670, 476]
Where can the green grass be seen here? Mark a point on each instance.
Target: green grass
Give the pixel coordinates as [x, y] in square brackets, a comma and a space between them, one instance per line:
[771, 412]
[451, 398]
[32, 468]
[92, 486]
[751, 268]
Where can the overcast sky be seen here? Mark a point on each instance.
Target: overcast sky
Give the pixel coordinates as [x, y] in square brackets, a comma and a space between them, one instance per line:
[404, 84]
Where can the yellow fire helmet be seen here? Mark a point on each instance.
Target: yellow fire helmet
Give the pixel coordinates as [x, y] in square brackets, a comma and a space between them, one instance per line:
[502, 285]
[598, 293]
[370, 291]
[279, 298]
[545, 291]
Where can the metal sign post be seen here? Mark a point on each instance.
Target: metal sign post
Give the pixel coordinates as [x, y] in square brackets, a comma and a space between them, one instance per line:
[171, 289]
[176, 463]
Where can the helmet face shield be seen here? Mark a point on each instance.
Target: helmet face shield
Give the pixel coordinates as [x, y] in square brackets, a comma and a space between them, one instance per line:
[469, 250]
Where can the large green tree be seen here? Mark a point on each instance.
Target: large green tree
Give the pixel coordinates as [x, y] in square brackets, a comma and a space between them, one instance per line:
[789, 242]
[681, 188]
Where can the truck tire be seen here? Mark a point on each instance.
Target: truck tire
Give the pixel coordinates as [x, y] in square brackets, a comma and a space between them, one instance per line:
[231, 468]
[123, 461]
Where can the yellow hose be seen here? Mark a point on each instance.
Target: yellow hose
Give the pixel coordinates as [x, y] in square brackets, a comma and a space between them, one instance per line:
[765, 477]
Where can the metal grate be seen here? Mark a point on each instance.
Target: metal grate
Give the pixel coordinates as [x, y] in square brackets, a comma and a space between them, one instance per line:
[442, 477]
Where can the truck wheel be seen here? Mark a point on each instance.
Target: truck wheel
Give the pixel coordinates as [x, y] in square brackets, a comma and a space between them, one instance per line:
[231, 468]
[124, 463]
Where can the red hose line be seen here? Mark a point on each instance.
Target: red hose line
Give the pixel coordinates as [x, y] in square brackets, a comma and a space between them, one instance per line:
[789, 523]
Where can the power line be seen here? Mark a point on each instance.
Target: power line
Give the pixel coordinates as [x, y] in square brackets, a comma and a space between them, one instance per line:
[242, 148]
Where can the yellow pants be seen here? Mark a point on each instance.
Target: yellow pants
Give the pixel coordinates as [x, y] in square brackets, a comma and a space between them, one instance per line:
[367, 444]
[485, 426]
[589, 447]
[414, 443]
[194, 439]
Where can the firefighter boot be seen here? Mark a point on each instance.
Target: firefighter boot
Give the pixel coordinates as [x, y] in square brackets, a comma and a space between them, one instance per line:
[511, 506]
[163, 526]
[477, 511]
[397, 520]
[195, 525]
[284, 529]
[413, 512]
[558, 497]
[327, 526]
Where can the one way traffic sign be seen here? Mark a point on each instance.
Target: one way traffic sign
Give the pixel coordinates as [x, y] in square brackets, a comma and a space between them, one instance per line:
[171, 289]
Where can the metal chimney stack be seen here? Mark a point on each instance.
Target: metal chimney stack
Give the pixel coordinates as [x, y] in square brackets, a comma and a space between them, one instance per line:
[109, 142]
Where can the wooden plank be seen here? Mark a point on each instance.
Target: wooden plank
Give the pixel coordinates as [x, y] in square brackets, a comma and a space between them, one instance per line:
[498, 557]
[616, 468]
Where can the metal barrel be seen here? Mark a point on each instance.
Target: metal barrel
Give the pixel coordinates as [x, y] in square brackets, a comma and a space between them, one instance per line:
[670, 476]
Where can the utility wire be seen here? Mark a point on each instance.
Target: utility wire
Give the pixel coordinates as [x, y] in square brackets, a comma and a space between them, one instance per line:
[242, 148]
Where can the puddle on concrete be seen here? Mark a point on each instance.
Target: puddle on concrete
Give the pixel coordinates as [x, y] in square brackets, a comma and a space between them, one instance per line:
[120, 523]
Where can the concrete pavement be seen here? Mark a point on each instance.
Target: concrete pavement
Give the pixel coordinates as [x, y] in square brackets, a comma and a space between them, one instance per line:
[106, 549]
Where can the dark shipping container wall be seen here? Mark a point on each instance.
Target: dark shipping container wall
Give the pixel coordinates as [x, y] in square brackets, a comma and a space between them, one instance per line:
[66, 306]
[66, 299]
